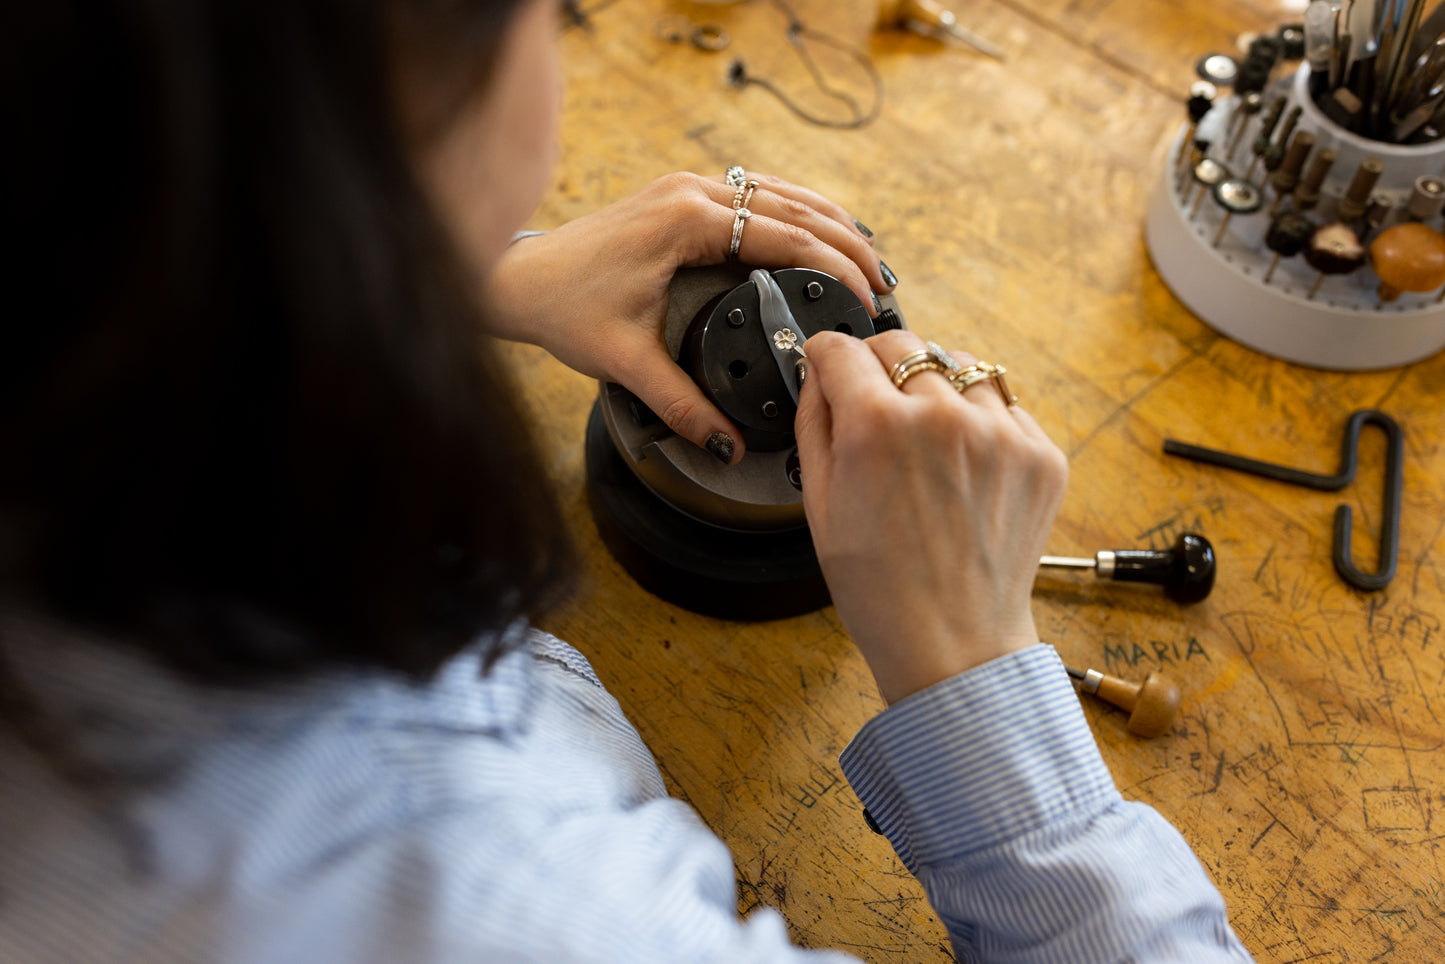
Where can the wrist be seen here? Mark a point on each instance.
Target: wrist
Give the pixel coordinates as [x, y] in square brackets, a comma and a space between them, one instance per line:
[911, 662]
[506, 306]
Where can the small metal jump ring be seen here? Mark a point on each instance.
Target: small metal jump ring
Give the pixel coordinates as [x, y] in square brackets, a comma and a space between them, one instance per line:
[710, 37]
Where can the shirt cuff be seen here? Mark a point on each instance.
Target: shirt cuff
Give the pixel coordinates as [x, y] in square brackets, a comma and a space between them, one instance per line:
[979, 759]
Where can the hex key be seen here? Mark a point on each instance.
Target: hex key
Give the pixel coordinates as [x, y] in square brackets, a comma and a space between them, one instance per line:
[1394, 483]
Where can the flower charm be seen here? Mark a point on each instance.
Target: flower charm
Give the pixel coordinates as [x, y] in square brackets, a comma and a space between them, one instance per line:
[785, 339]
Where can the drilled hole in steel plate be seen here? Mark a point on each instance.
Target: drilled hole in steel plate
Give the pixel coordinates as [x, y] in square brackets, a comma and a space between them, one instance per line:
[738, 369]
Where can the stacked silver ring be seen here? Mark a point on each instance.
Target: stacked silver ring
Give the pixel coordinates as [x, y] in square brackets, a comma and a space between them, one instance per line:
[741, 199]
[740, 218]
[744, 194]
[736, 175]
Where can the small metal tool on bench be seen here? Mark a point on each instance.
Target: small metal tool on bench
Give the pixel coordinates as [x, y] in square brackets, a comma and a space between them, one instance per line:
[1185, 569]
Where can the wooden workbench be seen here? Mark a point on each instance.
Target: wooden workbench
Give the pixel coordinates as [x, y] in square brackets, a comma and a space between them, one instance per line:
[1009, 199]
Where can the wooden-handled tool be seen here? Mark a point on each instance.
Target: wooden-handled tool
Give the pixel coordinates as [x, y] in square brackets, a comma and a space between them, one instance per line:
[1151, 705]
[930, 18]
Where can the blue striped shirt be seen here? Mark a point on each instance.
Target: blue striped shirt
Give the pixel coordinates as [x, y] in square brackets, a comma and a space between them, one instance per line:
[516, 816]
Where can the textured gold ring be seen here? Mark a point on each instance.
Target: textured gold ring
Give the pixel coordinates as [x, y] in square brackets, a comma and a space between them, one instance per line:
[924, 365]
[981, 371]
[969, 377]
[931, 357]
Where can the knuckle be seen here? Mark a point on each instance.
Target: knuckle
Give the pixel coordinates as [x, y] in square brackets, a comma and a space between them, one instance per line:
[798, 238]
[685, 217]
[1056, 465]
[1044, 466]
[942, 421]
[678, 413]
[688, 204]
[867, 421]
[896, 341]
[678, 182]
[795, 210]
[994, 436]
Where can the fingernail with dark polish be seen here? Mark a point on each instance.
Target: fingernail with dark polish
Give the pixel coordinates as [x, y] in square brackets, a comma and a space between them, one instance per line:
[862, 228]
[889, 278]
[720, 444]
[877, 305]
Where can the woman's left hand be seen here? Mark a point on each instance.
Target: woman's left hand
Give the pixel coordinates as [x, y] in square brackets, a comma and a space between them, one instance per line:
[594, 292]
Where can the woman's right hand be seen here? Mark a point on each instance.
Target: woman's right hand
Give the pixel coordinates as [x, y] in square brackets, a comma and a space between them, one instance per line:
[929, 509]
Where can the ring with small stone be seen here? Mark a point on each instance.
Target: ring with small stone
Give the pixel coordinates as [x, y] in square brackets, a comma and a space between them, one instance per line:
[941, 355]
[736, 175]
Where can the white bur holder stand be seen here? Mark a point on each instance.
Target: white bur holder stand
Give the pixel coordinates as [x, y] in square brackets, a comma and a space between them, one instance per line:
[1345, 326]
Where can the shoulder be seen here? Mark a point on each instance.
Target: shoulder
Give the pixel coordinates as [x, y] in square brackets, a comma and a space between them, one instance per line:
[347, 814]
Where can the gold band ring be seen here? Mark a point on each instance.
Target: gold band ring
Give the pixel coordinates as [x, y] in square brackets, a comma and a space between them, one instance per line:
[983, 370]
[929, 358]
[996, 372]
[926, 365]
[934, 358]
[895, 373]
[968, 378]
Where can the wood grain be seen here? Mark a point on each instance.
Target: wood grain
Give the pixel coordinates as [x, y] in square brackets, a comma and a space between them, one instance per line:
[1009, 199]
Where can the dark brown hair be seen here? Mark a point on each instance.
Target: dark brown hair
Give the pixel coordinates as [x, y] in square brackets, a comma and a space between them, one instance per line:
[246, 418]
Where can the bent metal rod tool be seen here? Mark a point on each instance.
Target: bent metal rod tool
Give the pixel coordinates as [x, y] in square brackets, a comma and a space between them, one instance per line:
[1394, 483]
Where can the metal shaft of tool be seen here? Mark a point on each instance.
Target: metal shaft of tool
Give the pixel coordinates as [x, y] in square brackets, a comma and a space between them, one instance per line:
[1102, 563]
[1089, 679]
[948, 28]
[929, 18]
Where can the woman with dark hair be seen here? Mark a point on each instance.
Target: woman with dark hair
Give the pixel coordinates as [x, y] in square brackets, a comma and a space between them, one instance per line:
[267, 687]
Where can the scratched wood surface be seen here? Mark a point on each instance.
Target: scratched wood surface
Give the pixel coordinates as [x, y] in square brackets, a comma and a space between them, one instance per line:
[1009, 198]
